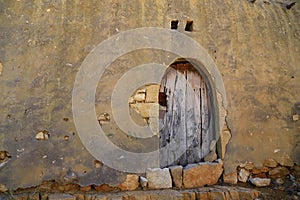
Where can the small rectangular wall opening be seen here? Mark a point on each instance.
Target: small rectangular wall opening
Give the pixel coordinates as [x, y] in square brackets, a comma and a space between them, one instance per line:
[174, 24]
[189, 25]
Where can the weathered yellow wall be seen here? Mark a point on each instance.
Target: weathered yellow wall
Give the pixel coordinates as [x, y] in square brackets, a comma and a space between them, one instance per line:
[43, 43]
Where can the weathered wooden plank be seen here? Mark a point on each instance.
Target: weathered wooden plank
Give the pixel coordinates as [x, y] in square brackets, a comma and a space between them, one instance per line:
[193, 115]
[180, 115]
[190, 119]
[204, 119]
[167, 130]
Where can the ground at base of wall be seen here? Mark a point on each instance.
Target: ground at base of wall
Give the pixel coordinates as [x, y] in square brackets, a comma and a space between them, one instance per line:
[282, 188]
[241, 191]
[213, 192]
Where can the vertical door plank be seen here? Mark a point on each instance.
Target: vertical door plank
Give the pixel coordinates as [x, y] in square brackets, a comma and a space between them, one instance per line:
[192, 147]
[167, 126]
[195, 148]
[163, 133]
[179, 118]
[204, 118]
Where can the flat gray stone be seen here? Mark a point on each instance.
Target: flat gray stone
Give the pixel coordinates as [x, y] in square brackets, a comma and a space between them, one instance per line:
[143, 181]
[159, 178]
[243, 175]
[260, 182]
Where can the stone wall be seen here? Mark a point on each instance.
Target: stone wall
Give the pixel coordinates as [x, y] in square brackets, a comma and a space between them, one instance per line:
[145, 103]
[255, 46]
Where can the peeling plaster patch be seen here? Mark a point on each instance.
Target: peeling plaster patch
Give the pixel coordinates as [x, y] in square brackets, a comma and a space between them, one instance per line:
[103, 118]
[276, 150]
[66, 138]
[42, 135]
[97, 164]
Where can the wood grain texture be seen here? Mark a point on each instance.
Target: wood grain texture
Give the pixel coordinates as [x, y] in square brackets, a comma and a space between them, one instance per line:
[186, 118]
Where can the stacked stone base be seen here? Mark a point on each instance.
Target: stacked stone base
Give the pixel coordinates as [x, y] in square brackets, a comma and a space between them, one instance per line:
[205, 193]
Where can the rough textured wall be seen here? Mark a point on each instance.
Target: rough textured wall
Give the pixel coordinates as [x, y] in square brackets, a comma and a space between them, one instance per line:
[43, 43]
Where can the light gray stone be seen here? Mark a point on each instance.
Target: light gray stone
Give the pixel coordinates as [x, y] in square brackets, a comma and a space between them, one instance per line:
[42, 135]
[143, 181]
[260, 182]
[159, 178]
[140, 97]
[243, 175]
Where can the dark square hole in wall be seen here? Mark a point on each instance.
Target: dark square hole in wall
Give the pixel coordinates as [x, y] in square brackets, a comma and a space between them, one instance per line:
[174, 24]
[189, 25]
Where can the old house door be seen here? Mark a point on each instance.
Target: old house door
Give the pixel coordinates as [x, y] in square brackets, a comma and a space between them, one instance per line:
[185, 115]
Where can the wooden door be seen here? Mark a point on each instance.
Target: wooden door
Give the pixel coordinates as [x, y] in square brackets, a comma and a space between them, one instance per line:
[185, 115]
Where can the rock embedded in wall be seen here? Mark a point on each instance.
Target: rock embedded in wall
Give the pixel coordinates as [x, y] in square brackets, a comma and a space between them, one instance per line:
[139, 97]
[152, 93]
[260, 182]
[146, 110]
[131, 182]
[176, 173]
[159, 178]
[198, 175]
[143, 182]
[243, 175]
[86, 188]
[104, 188]
[247, 165]
[231, 178]
[212, 156]
[285, 160]
[225, 136]
[42, 135]
[257, 170]
[279, 172]
[270, 163]
[103, 118]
